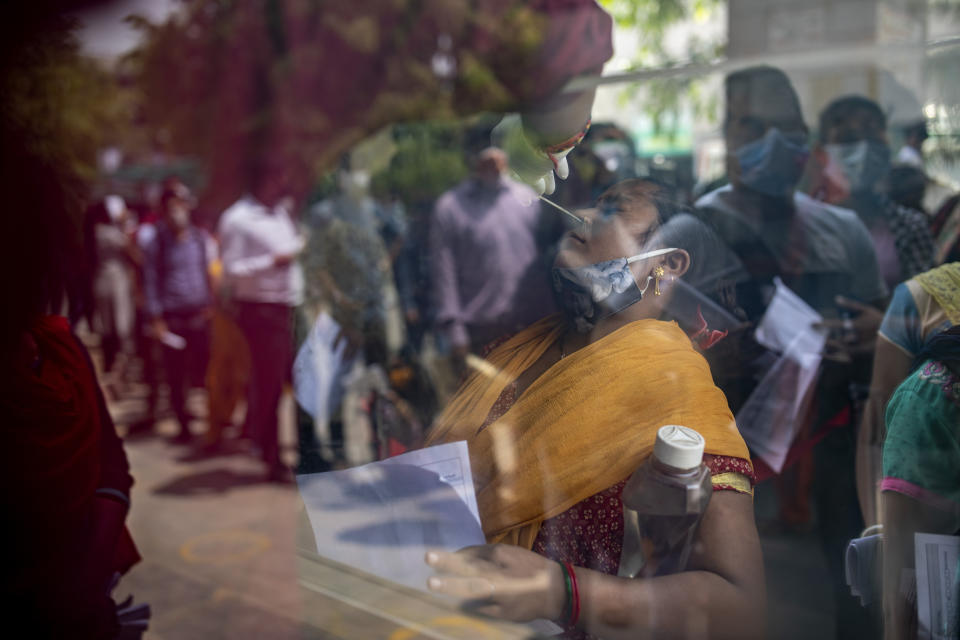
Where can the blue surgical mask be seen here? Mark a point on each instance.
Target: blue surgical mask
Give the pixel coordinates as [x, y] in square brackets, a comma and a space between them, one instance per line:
[593, 292]
[773, 164]
[864, 163]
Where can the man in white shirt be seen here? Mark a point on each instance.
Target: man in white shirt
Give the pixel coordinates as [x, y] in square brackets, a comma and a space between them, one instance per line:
[260, 244]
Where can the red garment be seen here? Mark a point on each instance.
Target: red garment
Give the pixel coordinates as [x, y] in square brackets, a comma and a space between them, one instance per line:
[59, 449]
[51, 431]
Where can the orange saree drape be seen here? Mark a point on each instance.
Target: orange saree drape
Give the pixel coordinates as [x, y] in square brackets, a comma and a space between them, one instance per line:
[587, 423]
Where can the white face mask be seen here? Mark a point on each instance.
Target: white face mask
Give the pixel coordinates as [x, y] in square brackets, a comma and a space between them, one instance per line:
[593, 292]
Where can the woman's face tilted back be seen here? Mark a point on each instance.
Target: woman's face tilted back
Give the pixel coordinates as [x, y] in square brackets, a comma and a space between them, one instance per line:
[613, 230]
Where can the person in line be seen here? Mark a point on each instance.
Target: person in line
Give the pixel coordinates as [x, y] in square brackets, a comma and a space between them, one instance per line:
[920, 487]
[179, 298]
[348, 273]
[854, 159]
[823, 254]
[228, 373]
[921, 308]
[260, 243]
[110, 249]
[819, 251]
[483, 242]
[573, 413]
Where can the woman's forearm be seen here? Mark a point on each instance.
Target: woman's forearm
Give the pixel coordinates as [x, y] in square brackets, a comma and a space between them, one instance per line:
[693, 604]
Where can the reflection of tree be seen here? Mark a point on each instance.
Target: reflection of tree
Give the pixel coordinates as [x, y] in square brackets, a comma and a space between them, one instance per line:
[944, 92]
[54, 114]
[64, 100]
[429, 159]
[651, 20]
[945, 7]
[304, 81]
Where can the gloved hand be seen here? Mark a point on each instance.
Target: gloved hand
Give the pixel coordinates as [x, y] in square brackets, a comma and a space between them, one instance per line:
[529, 163]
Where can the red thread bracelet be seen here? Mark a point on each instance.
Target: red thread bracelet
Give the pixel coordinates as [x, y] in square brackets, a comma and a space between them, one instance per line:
[575, 608]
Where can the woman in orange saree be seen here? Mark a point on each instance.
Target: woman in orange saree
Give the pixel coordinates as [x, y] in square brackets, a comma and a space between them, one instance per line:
[561, 416]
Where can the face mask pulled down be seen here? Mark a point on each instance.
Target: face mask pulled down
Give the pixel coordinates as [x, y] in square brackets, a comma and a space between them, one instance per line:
[594, 292]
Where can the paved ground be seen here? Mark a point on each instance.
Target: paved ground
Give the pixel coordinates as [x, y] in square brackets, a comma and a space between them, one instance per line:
[220, 561]
[217, 542]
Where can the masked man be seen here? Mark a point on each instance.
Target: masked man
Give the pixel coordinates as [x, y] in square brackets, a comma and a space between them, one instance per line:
[854, 157]
[821, 253]
[483, 243]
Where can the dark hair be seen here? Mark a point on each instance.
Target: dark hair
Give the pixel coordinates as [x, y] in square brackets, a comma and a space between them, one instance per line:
[168, 195]
[842, 110]
[916, 129]
[642, 192]
[943, 348]
[907, 185]
[768, 81]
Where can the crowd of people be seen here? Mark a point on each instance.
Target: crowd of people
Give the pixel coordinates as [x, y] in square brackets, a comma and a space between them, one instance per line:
[801, 314]
[568, 315]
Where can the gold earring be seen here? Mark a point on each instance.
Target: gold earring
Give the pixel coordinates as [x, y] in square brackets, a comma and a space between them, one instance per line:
[658, 273]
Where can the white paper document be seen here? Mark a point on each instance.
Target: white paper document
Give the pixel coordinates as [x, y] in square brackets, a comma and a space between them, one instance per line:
[936, 558]
[382, 517]
[772, 415]
[318, 369]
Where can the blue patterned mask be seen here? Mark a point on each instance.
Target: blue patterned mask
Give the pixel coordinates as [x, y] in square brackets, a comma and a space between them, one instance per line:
[593, 292]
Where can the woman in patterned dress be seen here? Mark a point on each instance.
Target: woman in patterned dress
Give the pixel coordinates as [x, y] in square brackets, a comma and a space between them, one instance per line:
[568, 409]
[920, 490]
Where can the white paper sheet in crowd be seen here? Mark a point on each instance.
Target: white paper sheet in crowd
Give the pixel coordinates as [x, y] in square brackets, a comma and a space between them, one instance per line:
[382, 517]
[318, 368]
[936, 570]
[771, 416]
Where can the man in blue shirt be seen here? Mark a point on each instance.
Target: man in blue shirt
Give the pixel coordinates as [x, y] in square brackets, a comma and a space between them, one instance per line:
[178, 297]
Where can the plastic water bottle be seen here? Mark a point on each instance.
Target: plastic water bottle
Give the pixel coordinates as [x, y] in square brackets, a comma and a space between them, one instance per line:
[663, 503]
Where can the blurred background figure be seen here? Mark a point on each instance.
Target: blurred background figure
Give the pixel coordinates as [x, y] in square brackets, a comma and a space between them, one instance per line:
[111, 251]
[228, 372]
[349, 282]
[260, 244]
[854, 160]
[908, 186]
[484, 253]
[819, 251]
[606, 156]
[179, 298]
[911, 153]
